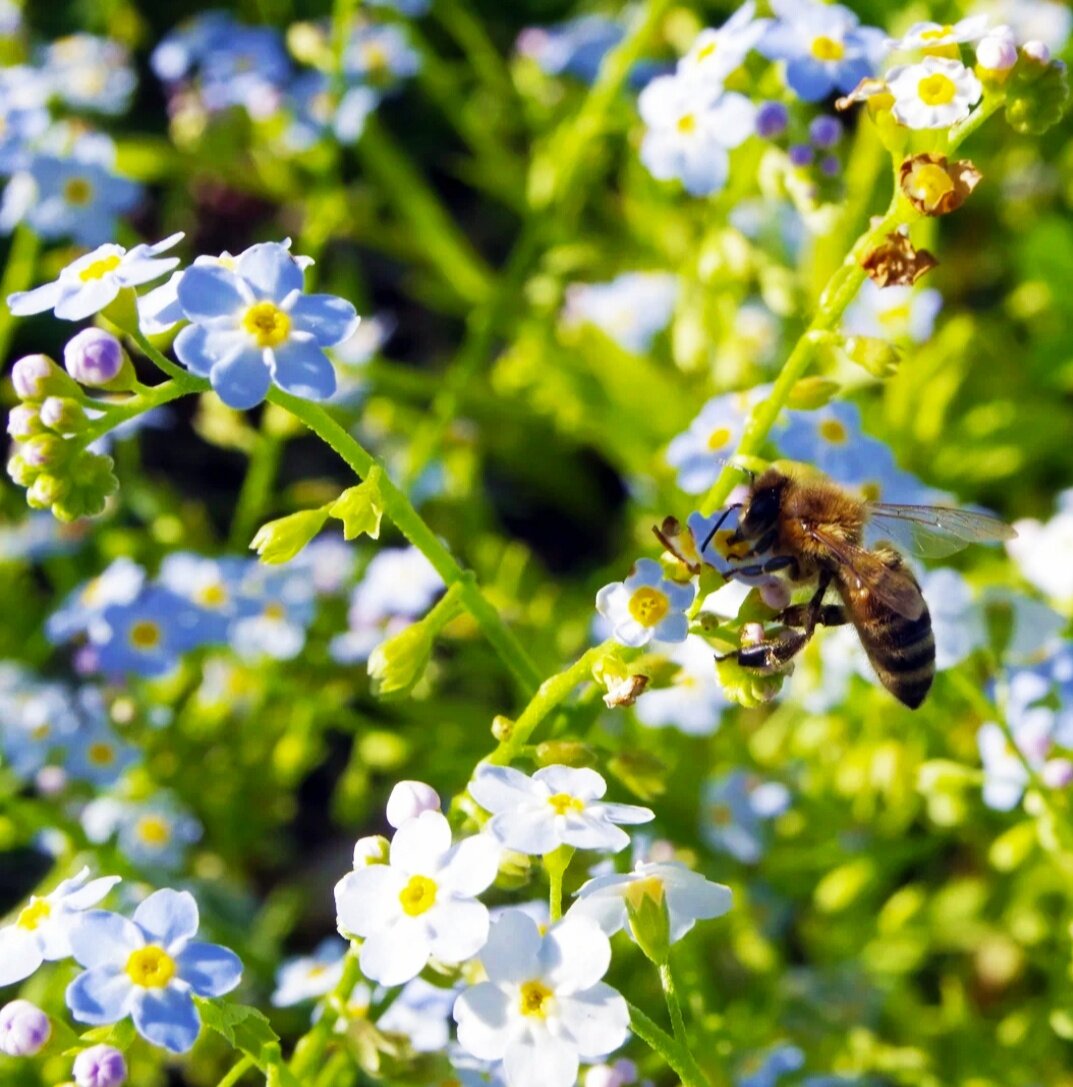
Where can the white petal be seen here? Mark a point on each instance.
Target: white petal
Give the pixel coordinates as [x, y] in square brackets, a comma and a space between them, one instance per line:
[627, 813]
[512, 954]
[549, 1062]
[607, 910]
[471, 866]
[367, 901]
[483, 1021]
[396, 954]
[90, 894]
[20, 955]
[528, 831]
[583, 783]
[420, 844]
[597, 1020]
[585, 831]
[575, 954]
[499, 788]
[458, 929]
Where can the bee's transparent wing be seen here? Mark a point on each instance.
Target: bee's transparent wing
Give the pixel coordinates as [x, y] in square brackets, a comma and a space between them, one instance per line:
[934, 531]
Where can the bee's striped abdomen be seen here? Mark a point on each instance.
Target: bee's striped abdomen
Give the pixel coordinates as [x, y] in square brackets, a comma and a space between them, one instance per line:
[901, 650]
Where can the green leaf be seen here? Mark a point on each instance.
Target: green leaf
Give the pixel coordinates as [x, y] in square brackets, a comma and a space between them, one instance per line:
[121, 1035]
[279, 541]
[360, 508]
[241, 1026]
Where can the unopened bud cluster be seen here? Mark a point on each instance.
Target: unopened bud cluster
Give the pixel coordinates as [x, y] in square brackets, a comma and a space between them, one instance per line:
[50, 425]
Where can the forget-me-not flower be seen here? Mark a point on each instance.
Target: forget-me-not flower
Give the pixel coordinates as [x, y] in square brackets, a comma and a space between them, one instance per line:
[646, 606]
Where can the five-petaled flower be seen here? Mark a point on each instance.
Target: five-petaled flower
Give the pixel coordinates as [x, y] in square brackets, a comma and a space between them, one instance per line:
[543, 1007]
[252, 325]
[149, 968]
[646, 605]
[90, 283]
[558, 805]
[422, 904]
[936, 93]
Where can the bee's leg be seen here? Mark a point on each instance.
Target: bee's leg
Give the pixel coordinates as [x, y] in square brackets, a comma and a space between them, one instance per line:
[802, 616]
[770, 566]
[772, 654]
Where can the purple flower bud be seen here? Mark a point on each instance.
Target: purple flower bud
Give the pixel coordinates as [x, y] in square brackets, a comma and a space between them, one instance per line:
[1037, 51]
[830, 166]
[63, 415]
[24, 1029]
[1057, 773]
[801, 154]
[996, 53]
[100, 1066]
[23, 422]
[825, 131]
[94, 357]
[33, 376]
[51, 780]
[771, 120]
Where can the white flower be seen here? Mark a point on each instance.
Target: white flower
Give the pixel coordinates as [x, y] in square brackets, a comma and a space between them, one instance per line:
[1047, 20]
[646, 605]
[373, 849]
[310, 976]
[543, 1007]
[408, 800]
[421, 1013]
[90, 283]
[936, 93]
[422, 904]
[892, 313]
[689, 897]
[42, 929]
[690, 131]
[929, 36]
[1042, 551]
[558, 805]
[694, 701]
[631, 309]
[714, 54]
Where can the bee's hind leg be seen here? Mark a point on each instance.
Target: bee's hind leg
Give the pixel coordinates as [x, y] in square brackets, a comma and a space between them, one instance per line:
[772, 654]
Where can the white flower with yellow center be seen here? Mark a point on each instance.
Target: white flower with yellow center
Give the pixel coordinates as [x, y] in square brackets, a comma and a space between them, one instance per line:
[543, 1008]
[41, 929]
[420, 905]
[714, 54]
[936, 93]
[646, 605]
[90, 283]
[688, 895]
[941, 36]
[558, 805]
[309, 976]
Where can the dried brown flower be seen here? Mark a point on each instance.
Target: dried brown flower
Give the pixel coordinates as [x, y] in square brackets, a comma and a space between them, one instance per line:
[896, 263]
[935, 186]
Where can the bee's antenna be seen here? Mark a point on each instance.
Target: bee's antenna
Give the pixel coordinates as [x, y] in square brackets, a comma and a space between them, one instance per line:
[718, 525]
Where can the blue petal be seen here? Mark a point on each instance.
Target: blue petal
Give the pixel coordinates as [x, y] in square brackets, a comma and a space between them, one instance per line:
[209, 969]
[167, 915]
[270, 269]
[208, 291]
[241, 382]
[809, 79]
[303, 369]
[167, 1017]
[330, 320]
[101, 995]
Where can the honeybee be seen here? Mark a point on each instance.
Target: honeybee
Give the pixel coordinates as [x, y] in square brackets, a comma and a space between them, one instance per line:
[814, 531]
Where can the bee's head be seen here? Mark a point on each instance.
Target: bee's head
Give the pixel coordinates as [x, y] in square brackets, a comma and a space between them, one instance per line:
[762, 509]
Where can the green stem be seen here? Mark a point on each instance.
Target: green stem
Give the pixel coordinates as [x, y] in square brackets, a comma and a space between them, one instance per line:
[409, 522]
[556, 863]
[18, 275]
[961, 132]
[550, 694]
[840, 290]
[674, 1007]
[310, 1048]
[135, 406]
[257, 486]
[237, 1072]
[679, 1059]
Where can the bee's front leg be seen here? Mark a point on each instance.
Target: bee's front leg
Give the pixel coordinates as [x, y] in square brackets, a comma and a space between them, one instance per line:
[762, 569]
[772, 654]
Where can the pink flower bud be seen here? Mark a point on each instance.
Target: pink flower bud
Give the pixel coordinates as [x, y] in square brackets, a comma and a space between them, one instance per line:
[1037, 51]
[408, 800]
[94, 357]
[1057, 773]
[100, 1066]
[37, 376]
[24, 1029]
[370, 850]
[997, 52]
[23, 422]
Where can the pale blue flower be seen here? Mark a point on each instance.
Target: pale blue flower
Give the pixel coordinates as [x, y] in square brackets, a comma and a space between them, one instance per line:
[421, 1013]
[119, 583]
[735, 807]
[149, 968]
[576, 47]
[38, 536]
[632, 309]
[824, 47]
[690, 130]
[317, 111]
[413, 8]
[716, 53]
[275, 608]
[694, 701]
[254, 326]
[768, 1068]
[957, 619]
[892, 313]
[308, 977]
[36, 721]
[91, 73]
[91, 282]
[155, 834]
[646, 606]
[380, 55]
[94, 753]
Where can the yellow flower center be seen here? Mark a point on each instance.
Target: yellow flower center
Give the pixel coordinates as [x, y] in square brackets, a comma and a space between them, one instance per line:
[728, 547]
[831, 430]
[150, 967]
[706, 50]
[316, 971]
[211, 596]
[37, 911]
[145, 634]
[825, 48]
[640, 889]
[937, 89]
[719, 438]
[562, 803]
[41, 731]
[687, 124]
[929, 183]
[648, 606]
[896, 318]
[937, 34]
[78, 191]
[535, 999]
[871, 492]
[101, 754]
[375, 57]
[720, 815]
[99, 268]
[267, 324]
[153, 830]
[418, 896]
[274, 611]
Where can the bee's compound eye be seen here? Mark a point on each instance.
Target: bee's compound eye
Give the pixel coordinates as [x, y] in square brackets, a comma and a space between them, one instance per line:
[762, 512]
